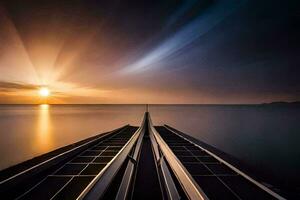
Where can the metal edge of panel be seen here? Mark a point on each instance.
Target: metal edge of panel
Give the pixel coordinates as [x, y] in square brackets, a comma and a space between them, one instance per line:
[162, 167]
[97, 187]
[261, 186]
[191, 188]
[127, 177]
[53, 160]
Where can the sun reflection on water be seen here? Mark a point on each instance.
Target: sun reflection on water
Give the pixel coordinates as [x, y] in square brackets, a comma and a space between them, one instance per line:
[44, 139]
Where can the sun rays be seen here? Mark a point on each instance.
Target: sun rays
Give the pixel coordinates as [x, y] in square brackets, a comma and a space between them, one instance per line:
[34, 58]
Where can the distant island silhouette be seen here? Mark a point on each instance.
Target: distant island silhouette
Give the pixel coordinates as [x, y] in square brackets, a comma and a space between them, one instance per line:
[283, 103]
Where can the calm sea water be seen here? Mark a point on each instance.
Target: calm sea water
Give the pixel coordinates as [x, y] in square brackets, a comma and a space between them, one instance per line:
[265, 137]
[30, 130]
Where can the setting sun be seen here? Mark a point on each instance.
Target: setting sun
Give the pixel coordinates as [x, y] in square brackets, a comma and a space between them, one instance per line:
[44, 92]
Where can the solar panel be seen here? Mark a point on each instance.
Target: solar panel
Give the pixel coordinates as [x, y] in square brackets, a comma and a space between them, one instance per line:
[71, 178]
[216, 179]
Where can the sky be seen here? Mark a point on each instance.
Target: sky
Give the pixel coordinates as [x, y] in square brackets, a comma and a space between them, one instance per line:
[159, 51]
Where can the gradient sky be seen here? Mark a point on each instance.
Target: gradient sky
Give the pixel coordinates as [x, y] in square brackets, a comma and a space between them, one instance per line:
[158, 51]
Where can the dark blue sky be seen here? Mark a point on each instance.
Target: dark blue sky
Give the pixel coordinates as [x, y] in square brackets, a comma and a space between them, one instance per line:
[206, 51]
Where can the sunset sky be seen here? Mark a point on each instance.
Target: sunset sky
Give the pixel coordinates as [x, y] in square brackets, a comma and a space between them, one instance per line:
[158, 51]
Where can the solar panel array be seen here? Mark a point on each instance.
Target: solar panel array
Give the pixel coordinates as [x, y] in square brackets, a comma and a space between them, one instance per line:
[71, 178]
[217, 180]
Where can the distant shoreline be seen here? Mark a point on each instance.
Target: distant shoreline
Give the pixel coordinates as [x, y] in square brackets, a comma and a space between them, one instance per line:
[279, 103]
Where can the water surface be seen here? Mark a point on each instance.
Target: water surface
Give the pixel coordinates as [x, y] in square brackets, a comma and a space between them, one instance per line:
[265, 137]
[30, 130]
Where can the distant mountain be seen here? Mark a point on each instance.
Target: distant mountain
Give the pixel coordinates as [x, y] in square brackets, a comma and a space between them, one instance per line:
[282, 103]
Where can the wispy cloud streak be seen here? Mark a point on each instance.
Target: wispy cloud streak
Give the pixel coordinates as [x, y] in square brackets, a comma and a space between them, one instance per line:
[185, 36]
[13, 86]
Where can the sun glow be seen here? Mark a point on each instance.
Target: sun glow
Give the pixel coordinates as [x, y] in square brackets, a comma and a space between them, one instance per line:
[44, 92]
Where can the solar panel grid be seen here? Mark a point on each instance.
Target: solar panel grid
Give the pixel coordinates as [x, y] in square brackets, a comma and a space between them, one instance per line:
[69, 180]
[217, 180]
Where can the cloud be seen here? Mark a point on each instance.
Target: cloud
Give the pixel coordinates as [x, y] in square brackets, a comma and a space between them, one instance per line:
[185, 36]
[15, 86]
